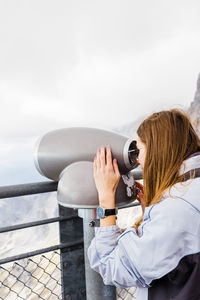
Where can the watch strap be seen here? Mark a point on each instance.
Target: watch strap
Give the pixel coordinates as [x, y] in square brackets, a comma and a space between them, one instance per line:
[110, 212]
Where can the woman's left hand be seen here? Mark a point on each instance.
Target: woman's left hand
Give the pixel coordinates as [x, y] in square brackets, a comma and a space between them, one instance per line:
[106, 176]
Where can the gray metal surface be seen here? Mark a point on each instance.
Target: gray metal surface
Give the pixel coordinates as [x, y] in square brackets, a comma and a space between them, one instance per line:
[27, 189]
[76, 187]
[10, 191]
[95, 288]
[72, 262]
[35, 223]
[60, 148]
[87, 213]
[68, 246]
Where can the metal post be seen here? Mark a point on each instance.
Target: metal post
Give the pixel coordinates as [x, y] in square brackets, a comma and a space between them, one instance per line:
[95, 288]
[72, 261]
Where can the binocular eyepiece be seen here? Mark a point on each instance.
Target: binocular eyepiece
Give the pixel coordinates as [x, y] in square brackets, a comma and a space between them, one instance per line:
[67, 155]
[133, 153]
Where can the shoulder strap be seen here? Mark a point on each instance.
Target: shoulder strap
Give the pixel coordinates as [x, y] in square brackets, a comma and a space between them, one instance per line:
[194, 173]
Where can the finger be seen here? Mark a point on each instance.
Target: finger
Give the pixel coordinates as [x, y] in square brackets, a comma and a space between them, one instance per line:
[138, 184]
[95, 165]
[137, 162]
[115, 166]
[109, 157]
[102, 157]
[140, 194]
[98, 162]
[139, 197]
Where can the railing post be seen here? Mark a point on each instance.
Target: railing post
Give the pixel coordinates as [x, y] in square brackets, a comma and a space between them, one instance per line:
[95, 288]
[72, 261]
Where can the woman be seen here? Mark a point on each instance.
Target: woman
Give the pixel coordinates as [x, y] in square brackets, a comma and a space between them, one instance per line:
[160, 254]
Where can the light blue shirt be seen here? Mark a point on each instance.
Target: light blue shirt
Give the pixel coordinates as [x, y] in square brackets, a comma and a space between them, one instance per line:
[170, 230]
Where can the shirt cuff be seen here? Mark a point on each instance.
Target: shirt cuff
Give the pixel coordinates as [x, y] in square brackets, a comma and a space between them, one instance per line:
[111, 228]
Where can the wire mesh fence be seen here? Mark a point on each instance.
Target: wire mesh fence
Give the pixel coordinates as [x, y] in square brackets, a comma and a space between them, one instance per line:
[34, 278]
[39, 278]
[126, 294]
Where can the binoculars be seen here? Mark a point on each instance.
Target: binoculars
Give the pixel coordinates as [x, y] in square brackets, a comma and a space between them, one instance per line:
[67, 155]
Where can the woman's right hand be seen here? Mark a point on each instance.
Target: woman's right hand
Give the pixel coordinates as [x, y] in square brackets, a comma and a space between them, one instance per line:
[140, 194]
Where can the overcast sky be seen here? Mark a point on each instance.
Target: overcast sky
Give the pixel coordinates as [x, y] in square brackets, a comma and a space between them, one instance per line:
[89, 63]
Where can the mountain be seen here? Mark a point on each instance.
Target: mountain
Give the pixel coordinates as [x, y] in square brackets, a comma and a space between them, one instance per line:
[194, 109]
[129, 129]
[35, 207]
[28, 209]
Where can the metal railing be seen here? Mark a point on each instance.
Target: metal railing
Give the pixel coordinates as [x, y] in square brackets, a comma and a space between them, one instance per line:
[55, 272]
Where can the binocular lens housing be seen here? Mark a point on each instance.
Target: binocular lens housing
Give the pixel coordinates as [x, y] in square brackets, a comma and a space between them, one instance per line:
[133, 152]
[67, 155]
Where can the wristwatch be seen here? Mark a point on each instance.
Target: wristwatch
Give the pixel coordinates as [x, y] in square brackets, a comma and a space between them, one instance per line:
[102, 212]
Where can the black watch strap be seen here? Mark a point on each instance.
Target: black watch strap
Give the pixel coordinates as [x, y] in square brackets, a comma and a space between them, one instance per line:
[110, 212]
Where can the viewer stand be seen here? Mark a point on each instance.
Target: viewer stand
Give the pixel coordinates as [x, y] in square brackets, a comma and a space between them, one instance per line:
[95, 288]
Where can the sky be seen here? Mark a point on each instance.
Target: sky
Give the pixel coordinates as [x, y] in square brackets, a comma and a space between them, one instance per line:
[89, 63]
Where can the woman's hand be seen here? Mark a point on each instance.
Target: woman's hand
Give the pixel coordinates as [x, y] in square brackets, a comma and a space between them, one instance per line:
[106, 176]
[140, 194]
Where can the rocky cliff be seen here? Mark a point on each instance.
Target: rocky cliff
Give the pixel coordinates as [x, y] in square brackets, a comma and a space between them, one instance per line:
[194, 109]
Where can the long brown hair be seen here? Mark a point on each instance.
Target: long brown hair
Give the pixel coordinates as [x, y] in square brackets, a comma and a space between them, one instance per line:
[169, 138]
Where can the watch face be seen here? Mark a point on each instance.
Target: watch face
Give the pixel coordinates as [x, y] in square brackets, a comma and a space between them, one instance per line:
[100, 212]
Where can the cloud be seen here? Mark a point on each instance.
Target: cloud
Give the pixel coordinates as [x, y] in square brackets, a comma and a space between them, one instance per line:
[97, 64]
[106, 91]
